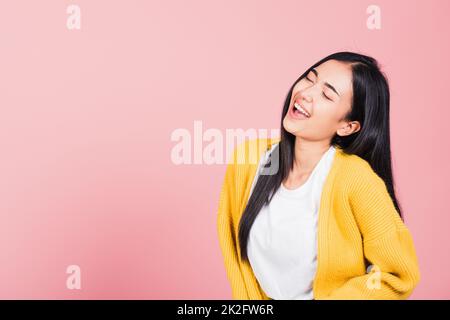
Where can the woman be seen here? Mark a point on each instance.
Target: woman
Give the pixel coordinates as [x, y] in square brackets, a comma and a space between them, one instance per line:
[316, 216]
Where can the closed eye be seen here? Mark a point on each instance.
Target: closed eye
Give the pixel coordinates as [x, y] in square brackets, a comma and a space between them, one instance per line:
[323, 93]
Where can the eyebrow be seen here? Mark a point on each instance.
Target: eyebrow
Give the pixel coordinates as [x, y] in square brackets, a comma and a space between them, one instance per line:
[326, 83]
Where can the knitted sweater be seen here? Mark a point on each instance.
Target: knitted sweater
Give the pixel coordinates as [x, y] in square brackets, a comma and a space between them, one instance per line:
[358, 227]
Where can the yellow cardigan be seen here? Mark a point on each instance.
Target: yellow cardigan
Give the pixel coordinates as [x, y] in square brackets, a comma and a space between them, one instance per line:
[358, 226]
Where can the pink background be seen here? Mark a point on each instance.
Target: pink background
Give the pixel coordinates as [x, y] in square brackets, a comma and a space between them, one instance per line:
[86, 116]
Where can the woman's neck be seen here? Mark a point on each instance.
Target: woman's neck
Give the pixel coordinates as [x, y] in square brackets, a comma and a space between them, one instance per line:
[308, 153]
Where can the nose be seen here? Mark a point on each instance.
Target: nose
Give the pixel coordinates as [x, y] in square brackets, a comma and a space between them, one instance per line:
[304, 97]
[307, 98]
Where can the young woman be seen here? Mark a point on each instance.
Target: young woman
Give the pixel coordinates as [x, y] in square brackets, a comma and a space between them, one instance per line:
[316, 216]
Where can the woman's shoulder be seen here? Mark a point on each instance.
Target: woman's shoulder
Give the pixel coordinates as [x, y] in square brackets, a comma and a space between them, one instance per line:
[351, 167]
[353, 162]
[354, 168]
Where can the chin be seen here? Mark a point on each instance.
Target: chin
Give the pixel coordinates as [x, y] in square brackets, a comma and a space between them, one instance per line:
[290, 127]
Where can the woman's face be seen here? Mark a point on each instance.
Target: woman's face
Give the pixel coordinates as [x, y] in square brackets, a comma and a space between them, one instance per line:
[326, 95]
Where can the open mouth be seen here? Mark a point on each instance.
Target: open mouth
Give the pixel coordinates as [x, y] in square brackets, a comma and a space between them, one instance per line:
[298, 109]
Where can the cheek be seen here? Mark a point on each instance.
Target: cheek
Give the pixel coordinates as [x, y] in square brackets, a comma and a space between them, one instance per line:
[326, 114]
[326, 120]
[333, 112]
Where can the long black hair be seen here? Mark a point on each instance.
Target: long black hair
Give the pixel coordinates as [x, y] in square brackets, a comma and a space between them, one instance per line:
[370, 106]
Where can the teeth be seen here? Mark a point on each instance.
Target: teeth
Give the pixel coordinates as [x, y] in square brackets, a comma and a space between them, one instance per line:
[299, 108]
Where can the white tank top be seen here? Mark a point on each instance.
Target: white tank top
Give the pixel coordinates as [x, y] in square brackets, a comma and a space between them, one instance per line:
[282, 246]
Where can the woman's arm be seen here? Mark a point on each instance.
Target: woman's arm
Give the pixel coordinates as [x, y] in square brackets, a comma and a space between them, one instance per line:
[227, 239]
[387, 243]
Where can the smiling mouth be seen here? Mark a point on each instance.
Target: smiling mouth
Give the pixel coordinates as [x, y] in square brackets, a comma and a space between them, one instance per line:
[299, 109]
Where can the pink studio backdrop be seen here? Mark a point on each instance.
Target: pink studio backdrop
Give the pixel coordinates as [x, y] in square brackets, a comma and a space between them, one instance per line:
[86, 117]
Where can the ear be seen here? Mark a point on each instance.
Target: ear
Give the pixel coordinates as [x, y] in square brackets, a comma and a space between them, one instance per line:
[349, 128]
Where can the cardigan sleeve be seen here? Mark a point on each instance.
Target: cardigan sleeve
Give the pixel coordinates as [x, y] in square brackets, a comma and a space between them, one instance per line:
[227, 239]
[387, 243]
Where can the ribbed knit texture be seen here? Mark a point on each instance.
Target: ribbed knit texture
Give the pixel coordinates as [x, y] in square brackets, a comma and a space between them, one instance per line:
[357, 226]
